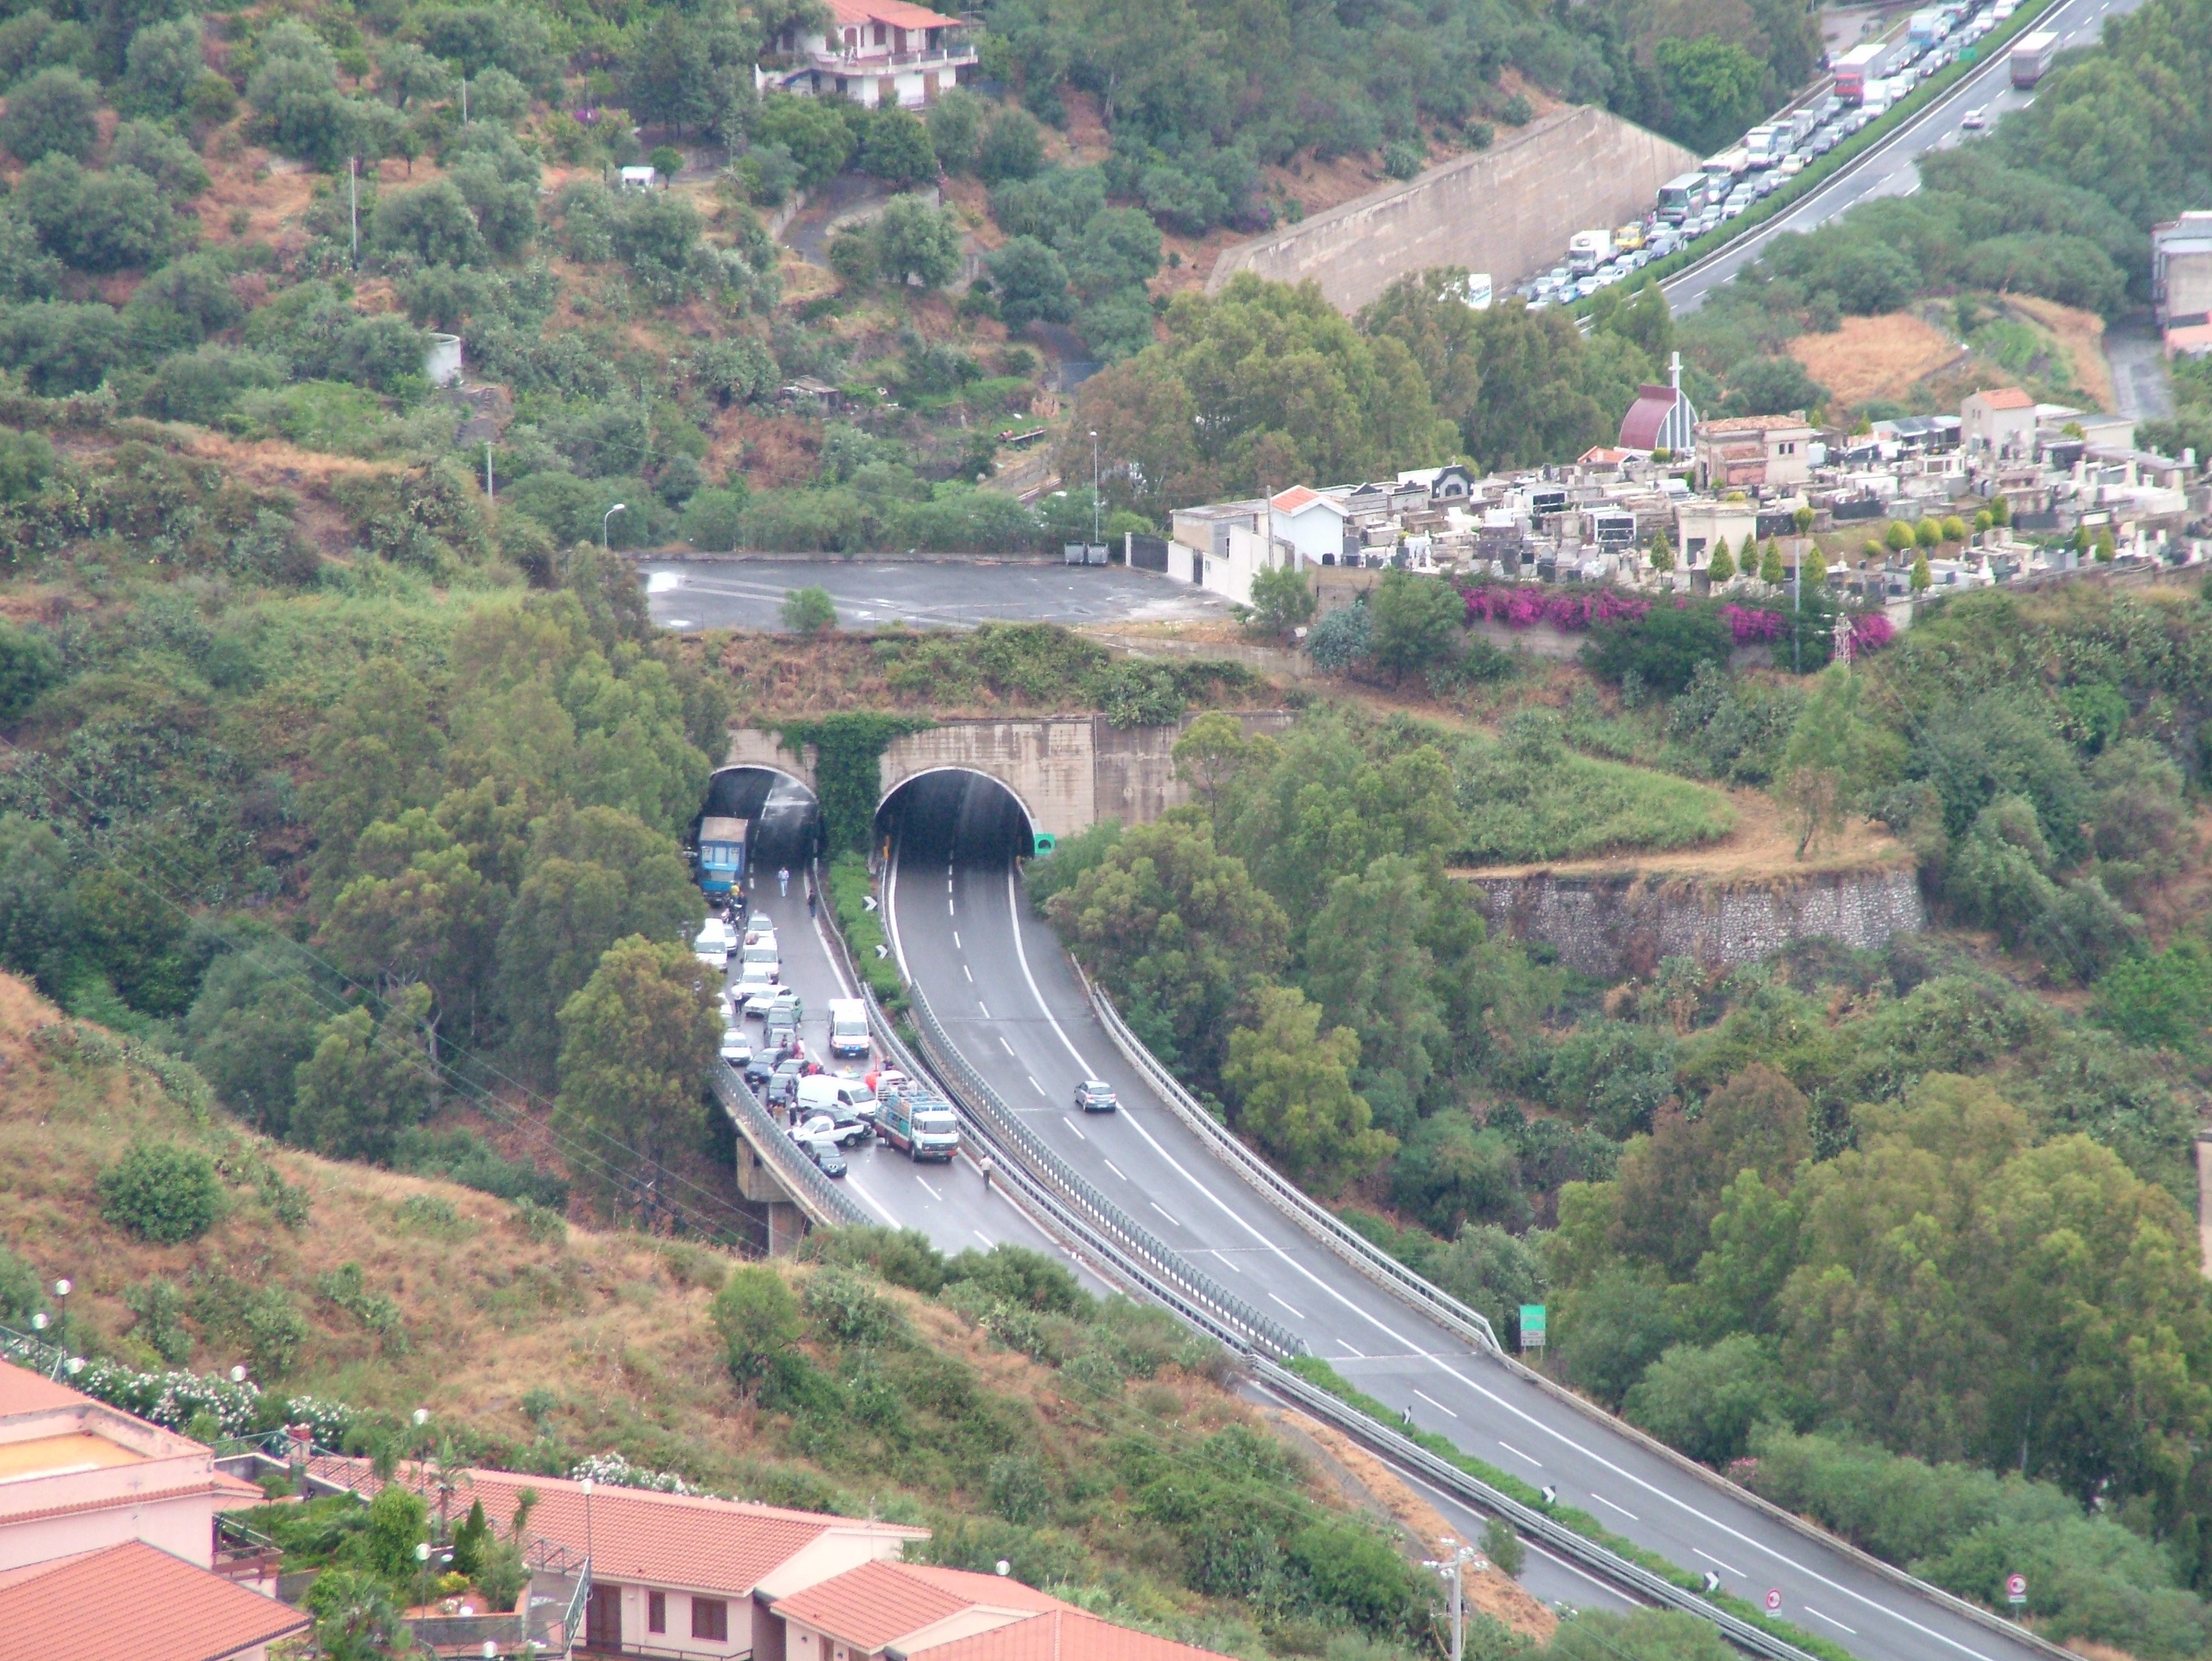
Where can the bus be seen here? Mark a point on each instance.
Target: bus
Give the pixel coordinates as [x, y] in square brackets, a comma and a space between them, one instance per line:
[1681, 197]
[721, 855]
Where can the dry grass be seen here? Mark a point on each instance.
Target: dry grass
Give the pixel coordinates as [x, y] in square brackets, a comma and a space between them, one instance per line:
[1875, 357]
[2082, 335]
[1763, 846]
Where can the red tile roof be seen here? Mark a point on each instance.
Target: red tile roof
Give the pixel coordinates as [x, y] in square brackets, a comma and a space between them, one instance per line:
[1296, 496]
[2007, 397]
[723, 1545]
[1065, 1634]
[897, 13]
[22, 1391]
[869, 1607]
[133, 1602]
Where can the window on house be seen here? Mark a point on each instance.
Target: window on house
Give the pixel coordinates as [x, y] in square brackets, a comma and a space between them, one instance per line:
[710, 1618]
[656, 1612]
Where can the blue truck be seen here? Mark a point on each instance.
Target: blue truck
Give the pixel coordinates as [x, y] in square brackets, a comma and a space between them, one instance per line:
[721, 855]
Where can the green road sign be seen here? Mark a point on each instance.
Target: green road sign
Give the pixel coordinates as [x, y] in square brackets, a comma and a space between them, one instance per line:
[1531, 1326]
[1045, 843]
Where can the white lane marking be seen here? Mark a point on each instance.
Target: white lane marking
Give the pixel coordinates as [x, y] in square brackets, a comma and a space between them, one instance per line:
[835, 968]
[1350, 1351]
[1518, 1454]
[957, 946]
[1003, 1045]
[1623, 1510]
[1710, 1558]
[1164, 1212]
[1022, 957]
[861, 1189]
[1435, 1404]
[1077, 1129]
[984, 1007]
[949, 911]
[1116, 1169]
[925, 1182]
[1831, 1620]
[983, 1237]
[1460, 1378]
[1228, 1263]
[1036, 1087]
[1294, 1313]
[969, 972]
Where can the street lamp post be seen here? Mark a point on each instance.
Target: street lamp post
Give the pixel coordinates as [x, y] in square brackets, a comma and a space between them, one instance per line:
[1094, 488]
[1453, 1568]
[619, 507]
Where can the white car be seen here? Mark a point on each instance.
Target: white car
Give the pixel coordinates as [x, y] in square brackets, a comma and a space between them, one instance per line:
[736, 1049]
[1975, 119]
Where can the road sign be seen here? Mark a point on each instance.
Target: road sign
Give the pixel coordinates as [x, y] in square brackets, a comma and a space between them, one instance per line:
[1531, 1326]
[1046, 842]
[1774, 1600]
[2016, 1589]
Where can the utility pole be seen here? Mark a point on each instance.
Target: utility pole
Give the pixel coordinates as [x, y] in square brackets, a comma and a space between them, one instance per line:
[353, 198]
[464, 100]
[1094, 489]
[490, 495]
[1453, 1568]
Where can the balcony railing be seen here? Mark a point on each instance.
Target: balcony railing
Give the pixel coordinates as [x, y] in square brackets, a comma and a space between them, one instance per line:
[876, 60]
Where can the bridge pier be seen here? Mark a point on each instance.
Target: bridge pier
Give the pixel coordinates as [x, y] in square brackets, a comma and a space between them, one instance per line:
[756, 1182]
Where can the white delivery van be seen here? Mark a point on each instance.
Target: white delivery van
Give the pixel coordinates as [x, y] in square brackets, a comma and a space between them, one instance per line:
[824, 1093]
[711, 945]
[848, 1027]
[761, 960]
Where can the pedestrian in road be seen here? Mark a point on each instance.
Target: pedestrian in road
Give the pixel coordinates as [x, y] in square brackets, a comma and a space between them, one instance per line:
[810, 899]
[783, 880]
[984, 1165]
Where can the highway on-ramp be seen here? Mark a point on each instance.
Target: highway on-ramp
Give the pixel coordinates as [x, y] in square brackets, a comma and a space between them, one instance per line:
[1004, 991]
[1890, 166]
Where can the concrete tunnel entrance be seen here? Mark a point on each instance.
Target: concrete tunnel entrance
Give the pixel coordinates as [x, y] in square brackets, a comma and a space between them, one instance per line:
[786, 819]
[958, 815]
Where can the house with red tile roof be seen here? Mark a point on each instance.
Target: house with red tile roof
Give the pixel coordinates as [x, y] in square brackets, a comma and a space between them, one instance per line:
[1997, 422]
[670, 1572]
[77, 1475]
[874, 52]
[133, 1602]
[1064, 1634]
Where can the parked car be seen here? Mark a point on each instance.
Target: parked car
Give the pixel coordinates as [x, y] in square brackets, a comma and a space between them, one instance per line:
[736, 1049]
[783, 1033]
[840, 1125]
[1095, 1096]
[783, 1083]
[760, 1070]
[823, 1152]
[754, 994]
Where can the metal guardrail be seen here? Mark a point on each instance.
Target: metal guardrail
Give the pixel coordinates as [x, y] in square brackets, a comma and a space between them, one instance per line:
[984, 1104]
[1554, 1535]
[823, 1200]
[1286, 1196]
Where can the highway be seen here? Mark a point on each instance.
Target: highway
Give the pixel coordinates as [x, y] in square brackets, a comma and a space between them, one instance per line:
[1891, 166]
[947, 1203]
[1004, 991]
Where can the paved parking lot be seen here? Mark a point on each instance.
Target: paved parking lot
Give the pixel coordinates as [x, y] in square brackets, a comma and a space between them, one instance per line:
[746, 593]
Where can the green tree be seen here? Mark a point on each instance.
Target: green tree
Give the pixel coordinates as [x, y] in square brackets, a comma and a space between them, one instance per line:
[809, 611]
[1169, 922]
[366, 1080]
[1662, 554]
[420, 913]
[1898, 537]
[1283, 599]
[249, 1030]
[2165, 999]
[1030, 282]
[1921, 578]
[1671, 1182]
[161, 1192]
[1533, 407]
[28, 661]
[592, 876]
[895, 147]
[1011, 148]
[432, 223]
[1607, 1332]
[1927, 533]
[1705, 1402]
[52, 113]
[1771, 571]
[916, 244]
[161, 65]
[815, 131]
[637, 1043]
[759, 1321]
[1714, 89]
[356, 1619]
[1418, 622]
[1832, 750]
[1293, 1088]
[1721, 568]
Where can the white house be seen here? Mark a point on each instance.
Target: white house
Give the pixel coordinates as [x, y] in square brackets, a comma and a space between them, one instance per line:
[874, 52]
[1308, 523]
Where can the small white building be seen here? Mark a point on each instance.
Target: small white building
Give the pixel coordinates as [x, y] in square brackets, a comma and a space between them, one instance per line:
[874, 52]
[637, 179]
[1997, 423]
[1308, 523]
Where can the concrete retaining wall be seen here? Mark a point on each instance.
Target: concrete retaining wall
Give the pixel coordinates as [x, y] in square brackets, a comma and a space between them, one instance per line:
[1508, 210]
[1624, 926]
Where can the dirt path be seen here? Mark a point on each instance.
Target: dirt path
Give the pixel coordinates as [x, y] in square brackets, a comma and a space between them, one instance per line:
[1763, 844]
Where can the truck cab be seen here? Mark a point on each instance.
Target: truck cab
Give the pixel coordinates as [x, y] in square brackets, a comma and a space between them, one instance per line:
[920, 1126]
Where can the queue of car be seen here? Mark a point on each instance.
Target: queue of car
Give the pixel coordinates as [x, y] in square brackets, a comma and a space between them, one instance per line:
[1767, 158]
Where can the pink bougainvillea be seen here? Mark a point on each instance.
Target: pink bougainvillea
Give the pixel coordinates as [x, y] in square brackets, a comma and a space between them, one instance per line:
[1522, 606]
[1752, 627]
[1870, 631]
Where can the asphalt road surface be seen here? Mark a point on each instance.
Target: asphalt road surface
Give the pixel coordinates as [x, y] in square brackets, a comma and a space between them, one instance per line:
[999, 982]
[741, 593]
[948, 1203]
[1892, 167]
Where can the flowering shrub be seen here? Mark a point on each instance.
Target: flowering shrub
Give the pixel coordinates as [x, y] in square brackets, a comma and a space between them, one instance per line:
[612, 1470]
[1870, 631]
[174, 1399]
[1522, 606]
[1753, 627]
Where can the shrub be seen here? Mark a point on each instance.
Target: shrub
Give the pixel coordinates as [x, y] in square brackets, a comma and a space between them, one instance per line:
[161, 1192]
[809, 611]
[52, 111]
[1663, 648]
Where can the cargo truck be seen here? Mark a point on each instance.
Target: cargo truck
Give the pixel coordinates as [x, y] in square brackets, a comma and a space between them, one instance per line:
[2030, 56]
[918, 1125]
[721, 854]
[1587, 250]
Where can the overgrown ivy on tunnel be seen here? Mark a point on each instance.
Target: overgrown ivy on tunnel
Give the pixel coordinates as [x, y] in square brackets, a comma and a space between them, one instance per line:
[848, 750]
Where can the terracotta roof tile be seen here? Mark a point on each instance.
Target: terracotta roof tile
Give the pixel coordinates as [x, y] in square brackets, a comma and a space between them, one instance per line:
[22, 1391]
[133, 1602]
[1065, 1634]
[229, 1488]
[877, 1603]
[897, 13]
[723, 1545]
[2007, 397]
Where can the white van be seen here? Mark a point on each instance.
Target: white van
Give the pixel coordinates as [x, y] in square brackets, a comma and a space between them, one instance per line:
[822, 1093]
[848, 1027]
[761, 960]
[711, 946]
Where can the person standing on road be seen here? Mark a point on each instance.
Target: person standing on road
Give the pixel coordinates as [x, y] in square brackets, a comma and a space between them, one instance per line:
[783, 880]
